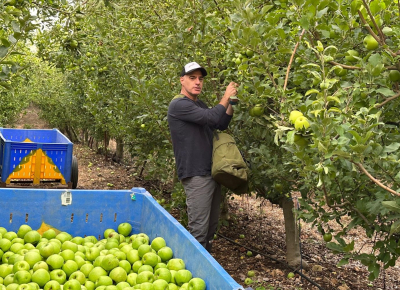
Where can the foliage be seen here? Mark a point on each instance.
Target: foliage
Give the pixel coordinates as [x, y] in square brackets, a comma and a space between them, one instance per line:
[113, 66]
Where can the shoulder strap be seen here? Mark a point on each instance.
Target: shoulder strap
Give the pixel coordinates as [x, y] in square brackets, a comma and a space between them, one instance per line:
[178, 96]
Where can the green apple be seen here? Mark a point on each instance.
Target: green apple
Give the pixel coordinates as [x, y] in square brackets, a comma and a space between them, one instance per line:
[96, 273]
[8, 279]
[78, 275]
[248, 281]
[160, 265]
[124, 229]
[69, 267]
[111, 287]
[145, 276]
[109, 262]
[160, 285]
[49, 234]
[12, 286]
[394, 75]
[145, 268]
[131, 279]
[20, 287]
[92, 253]
[183, 276]
[123, 285]
[138, 241]
[136, 266]
[79, 260]
[370, 42]
[119, 254]
[21, 252]
[56, 245]
[86, 268]
[5, 244]
[21, 265]
[32, 237]
[41, 277]
[176, 264]
[29, 246]
[172, 286]
[103, 281]
[158, 243]
[32, 257]
[55, 261]
[294, 115]
[5, 269]
[23, 229]
[97, 262]
[6, 256]
[68, 245]
[77, 240]
[340, 71]
[351, 55]
[58, 275]
[18, 240]
[34, 286]
[197, 284]
[162, 273]
[251, 273]
[89, 285]
[63, 236]
[143, 249]
[126, 248]
[125, 265]
[107, 232]
[72, 285]
[184, 286]
[132, 256]
[301, 123]
[52, 285]
[290, 275]
[22, 277]
[68, 254]
[40, 265]
[91, 239]
[118, 274]
[10, 235]
[149, 259]
[112, 243]
[47, 250]
[15, 258]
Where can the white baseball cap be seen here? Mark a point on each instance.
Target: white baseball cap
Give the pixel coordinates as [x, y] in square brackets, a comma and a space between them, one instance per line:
[192, 66]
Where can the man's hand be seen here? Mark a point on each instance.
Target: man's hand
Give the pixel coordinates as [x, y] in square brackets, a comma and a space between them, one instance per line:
[230, 95]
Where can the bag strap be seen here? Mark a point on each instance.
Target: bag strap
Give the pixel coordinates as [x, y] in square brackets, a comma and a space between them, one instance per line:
[178, 96]
[215, 133]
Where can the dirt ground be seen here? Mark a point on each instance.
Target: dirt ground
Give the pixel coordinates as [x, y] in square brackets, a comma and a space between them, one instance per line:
[254, 225]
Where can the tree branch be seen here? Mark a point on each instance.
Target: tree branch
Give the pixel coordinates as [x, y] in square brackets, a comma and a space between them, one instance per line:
[291, 60]
[387, 100]
[362, 168]
[344, 65]
[366, 25]
[382, 37]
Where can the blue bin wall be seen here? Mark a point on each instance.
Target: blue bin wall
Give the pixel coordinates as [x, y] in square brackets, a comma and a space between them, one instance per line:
[94, 211]
[51, 141]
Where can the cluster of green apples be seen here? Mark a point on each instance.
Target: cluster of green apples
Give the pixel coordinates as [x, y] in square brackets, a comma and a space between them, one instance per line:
[59, 261]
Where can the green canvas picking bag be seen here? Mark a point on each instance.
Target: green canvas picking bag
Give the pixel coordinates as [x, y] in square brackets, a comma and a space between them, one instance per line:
[228, 166]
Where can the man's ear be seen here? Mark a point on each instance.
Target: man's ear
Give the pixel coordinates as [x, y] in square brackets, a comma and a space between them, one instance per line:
[181, 79]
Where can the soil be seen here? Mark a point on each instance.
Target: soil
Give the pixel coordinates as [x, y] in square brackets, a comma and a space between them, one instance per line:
[253, 225]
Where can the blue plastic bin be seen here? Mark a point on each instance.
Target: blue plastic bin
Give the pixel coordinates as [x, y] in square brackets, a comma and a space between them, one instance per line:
[91, 212]
[17, 146]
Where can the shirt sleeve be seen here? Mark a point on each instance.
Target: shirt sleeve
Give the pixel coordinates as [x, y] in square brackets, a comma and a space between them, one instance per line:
[186, 110]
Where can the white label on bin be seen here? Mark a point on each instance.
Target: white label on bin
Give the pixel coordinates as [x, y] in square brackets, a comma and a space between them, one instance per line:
[66, 198]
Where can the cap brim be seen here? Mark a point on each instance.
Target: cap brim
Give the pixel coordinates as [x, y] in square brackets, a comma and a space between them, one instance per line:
[203, 71]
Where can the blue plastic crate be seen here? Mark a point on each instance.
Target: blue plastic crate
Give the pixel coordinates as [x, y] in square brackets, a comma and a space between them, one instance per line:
[19, 146]
[91, 212]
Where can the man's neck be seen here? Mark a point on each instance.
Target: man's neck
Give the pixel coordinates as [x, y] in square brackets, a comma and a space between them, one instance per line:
[190, 96]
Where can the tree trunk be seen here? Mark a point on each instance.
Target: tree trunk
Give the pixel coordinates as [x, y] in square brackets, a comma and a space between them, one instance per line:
[293, 254]
[119, 154]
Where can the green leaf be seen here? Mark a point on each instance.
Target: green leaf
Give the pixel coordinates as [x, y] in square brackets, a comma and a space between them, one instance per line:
[375, 59]
[356, 136]
[385, 91]
[395, 228]
[391, 148]
[312, 91]
[343, 262]
[3, 51]
[322, 12]
[391, 205]
[335, 247]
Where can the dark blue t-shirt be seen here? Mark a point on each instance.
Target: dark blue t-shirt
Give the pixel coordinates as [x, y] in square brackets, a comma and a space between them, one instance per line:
[191, 124]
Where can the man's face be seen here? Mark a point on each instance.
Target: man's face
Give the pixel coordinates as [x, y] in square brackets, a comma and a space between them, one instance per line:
[192, 83]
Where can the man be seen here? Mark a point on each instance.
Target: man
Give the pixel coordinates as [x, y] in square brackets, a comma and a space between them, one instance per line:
[191, 124]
